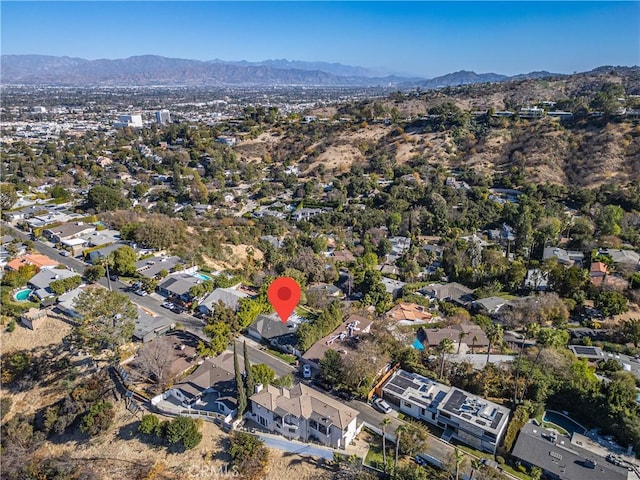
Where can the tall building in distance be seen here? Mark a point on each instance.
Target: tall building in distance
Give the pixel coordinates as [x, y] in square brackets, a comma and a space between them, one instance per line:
[163, 117]
[131, 121]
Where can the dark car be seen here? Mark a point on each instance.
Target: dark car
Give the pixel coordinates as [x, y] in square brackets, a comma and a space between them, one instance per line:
[113, 278]
[346, 395]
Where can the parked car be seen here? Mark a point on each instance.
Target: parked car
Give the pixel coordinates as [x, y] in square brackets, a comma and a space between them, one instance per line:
[306, 370]
[382, 406]
[114, 278]
[65, 253]
[142, 293]
[346, 395]
[167, 305]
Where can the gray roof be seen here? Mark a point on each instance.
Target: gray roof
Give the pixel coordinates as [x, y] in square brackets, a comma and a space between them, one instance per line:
[210, 376]
[562, 458]
[392, 285]
[150, 267]
[621, 256]
[229, 296]
[490, 304]
[271, 327]
[146, 324]
[68, 229]
[563, 256]
[179, 284]
[103, 251]
[43, 279]
[449, 291]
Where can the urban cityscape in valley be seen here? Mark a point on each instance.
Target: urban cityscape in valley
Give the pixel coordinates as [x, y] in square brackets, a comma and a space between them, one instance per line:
[467, 244]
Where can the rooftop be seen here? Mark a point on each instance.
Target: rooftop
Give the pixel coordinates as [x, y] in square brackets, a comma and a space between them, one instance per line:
[342, 339]
[305, 402]
[556, 454]
[475, 410]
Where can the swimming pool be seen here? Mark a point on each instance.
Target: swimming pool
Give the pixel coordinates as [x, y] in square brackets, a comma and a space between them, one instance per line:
[23, 295]
[202, 276]
[563, 421]
[417, 344]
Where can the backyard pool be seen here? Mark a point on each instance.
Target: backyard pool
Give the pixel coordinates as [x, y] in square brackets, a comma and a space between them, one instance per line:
[563, 421]
[23, 295]
[417, 344]
[202, 276]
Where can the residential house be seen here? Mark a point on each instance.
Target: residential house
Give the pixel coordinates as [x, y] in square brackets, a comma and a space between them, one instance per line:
[97, 256]
[302, 413]
[598, 273]
[564, 457]
[327, 290]
[149, 326]
[489, 305]
[40, 281]
[41, 262]
[305, 213]
[596, 354]
[67, 302]
[229, 296]
[536, 279]
[409, 314]
[178, 286]
[471, 334]
[625, 257]
[564, 257]
[150, 267]
[101, 237]
[270, 329]
[451, 292]
[209, 388]
[394, 287]
[465, 417]
[344, 256]
[67, 231]
[343, 339]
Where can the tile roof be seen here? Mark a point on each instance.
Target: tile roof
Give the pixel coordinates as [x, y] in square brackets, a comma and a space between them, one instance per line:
[36, 259]
[409, 311]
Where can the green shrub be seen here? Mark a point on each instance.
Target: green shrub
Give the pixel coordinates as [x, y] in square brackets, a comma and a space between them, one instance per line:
[185, 431]
[500, 460]
[12, 326]
[148, 424]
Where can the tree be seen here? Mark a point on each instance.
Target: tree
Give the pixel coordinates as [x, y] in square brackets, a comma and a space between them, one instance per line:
[102, 199]
[8, 196]
[248, 371]
[399, 431]
[444, 347]
[65, 284]
[107, 319]
[242, 394]
[415, 438]
[494, 334]
[611, 303]
[154, 360]
[148, 424]
[93, 273]
[185, 431]
[385, 422]
[476, 464]
[631, 331]
[263, 374]
[331, 367]
[124, 260]
[248, 455]
[98, 419]
[220, 334]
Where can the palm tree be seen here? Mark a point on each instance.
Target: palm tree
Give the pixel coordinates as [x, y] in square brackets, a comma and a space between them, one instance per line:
[531, 331]
[399, 431]
[458, 458]
[384, 424]
[473, 343]
[445, 346]
[494, 334]
[475, 466]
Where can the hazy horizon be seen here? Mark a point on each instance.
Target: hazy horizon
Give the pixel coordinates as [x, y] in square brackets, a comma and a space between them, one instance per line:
[425, 39]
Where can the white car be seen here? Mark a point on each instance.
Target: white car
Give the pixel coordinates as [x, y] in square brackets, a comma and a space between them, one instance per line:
[382, 406]
[142, 293]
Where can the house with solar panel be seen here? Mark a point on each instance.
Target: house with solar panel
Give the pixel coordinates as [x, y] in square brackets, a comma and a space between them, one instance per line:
[465, 417]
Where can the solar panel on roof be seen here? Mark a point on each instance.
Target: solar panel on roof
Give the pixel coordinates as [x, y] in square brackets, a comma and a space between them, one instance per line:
[584, 350]
[394, 389]
[497, 419]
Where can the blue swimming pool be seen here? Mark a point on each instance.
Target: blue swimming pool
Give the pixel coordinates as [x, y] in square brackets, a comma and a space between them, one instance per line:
[563, 421]
[202, 276]
[417, 344]
[23, 295]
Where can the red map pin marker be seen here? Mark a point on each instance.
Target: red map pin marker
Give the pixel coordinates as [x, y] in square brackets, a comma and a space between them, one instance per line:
[284, 295]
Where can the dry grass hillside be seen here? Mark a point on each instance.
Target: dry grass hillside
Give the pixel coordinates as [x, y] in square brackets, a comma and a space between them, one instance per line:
[585, 151]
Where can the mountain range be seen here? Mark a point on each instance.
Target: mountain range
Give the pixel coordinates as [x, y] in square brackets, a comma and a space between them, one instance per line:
[146, 70]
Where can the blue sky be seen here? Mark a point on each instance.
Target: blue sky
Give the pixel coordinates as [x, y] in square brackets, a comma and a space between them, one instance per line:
[424, 38]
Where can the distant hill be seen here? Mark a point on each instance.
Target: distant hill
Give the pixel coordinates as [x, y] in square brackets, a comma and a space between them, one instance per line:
[157, 70]
[147, 70]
